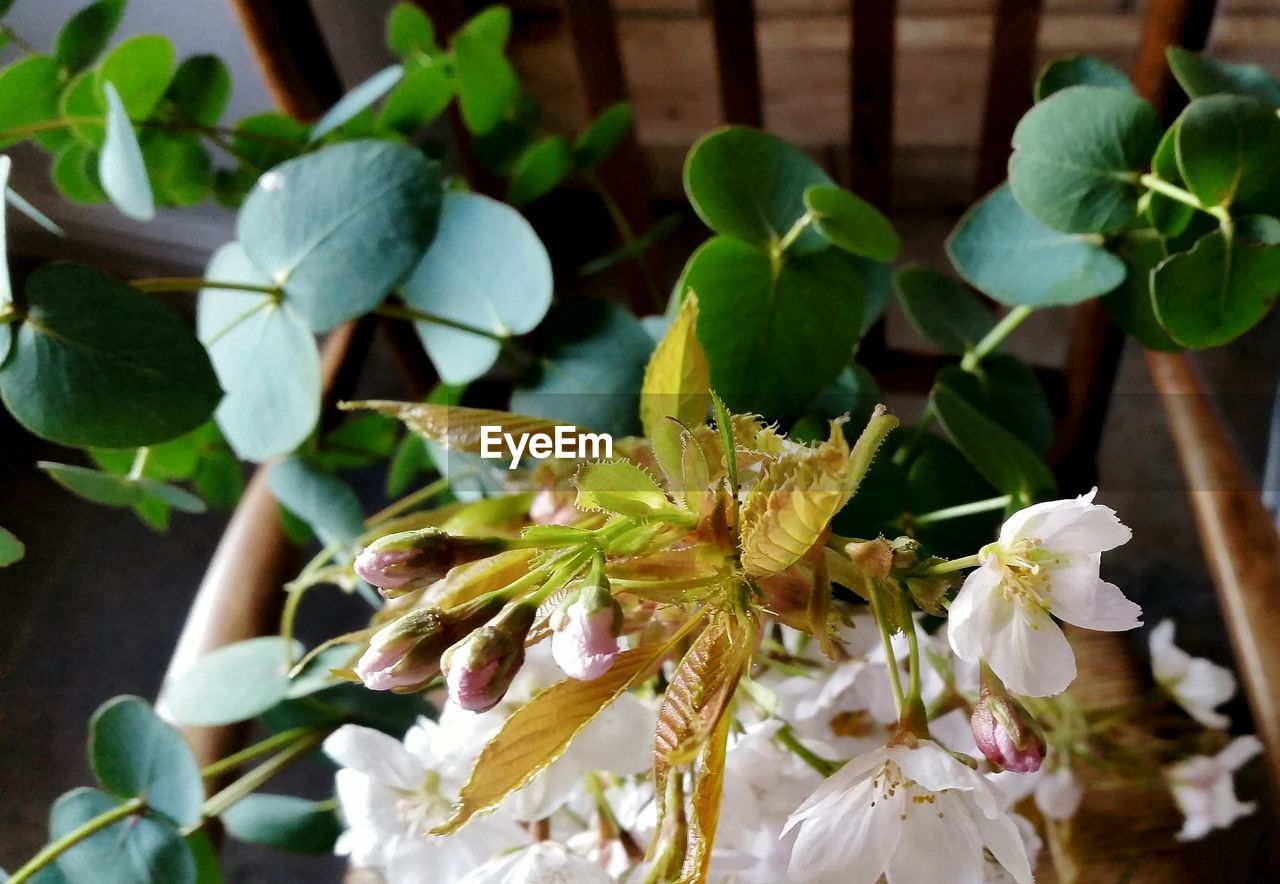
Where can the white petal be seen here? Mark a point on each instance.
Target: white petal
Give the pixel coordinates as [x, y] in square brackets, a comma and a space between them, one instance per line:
[1059, 793]
[1002, 838]
[846, 835]
[1067, 526]
[1168, 661]
[970, 615]
[1080, 597]
[940, 843]
[372, 752]
[1240, 751]
[1029, 652]
[934, 768]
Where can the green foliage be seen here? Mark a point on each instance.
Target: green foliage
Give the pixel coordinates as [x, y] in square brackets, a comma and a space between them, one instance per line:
[1200, 76]
[141, 849]
[29, 90]
[851, 223]
[135, 754]
[86, 34]
[324, 502]
[113, 489]
[410, 33]
[1007, 391]
[11, 548]
[233, 683]
[120, 166]
[1078, 70]
[1226, 150]
[141, 69]
[416, 100]
[357, 100]
[540, 169]
[942, 309]
[128, 370]
[487, 85]
[200, 89]
[603, 136]
[1130, 305]
[284, 822]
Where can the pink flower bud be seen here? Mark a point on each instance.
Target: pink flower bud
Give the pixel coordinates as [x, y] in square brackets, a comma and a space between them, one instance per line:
[479, 669]
[585, 642]
[398, 563]
[1002, 730]
[404, 655]
[553, 507]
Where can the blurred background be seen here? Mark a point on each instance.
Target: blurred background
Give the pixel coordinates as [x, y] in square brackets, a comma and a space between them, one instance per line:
[96, 606]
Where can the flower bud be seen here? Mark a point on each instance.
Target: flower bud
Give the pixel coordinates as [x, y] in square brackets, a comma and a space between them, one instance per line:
[1002, 730]
[586, 627]
[404, 655]
[410, 559]
[479, 669]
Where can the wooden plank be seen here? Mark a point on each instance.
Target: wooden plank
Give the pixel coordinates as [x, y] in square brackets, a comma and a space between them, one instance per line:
[873, 26]
[1168, 23]
[737, 61]
[290, 51]
[1009, 81]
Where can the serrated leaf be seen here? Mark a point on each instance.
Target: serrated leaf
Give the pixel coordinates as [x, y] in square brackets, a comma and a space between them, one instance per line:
[708, 789]
[678, 378]
[539, 732]
[792, 506]
[620, 487]
[457, 427]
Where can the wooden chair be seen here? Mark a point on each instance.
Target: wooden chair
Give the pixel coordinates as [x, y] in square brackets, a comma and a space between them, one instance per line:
[240, 595]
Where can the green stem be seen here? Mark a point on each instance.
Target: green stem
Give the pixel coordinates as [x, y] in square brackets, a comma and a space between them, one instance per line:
[9, 313]
[194, 284]
[787, 737]
[257, 777]
[265, 747]
[396, 311]
[995, 337]
[86, 830]
[408, 502]
[1159, 185]
[914, 717]
[22, 44]
[964, 509]
[140, 459]
[949, 566]
[794, 233]
[886, 640]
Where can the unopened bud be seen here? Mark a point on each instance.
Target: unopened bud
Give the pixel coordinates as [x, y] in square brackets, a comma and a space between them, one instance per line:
[399, 562]
[586, 627]
[404, 655]
[1003, 731]
[479, 669]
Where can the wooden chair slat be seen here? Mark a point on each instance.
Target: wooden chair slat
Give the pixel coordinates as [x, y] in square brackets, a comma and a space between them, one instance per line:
[871, 92]
[733, 23]
[1015, 31]
[291, 53]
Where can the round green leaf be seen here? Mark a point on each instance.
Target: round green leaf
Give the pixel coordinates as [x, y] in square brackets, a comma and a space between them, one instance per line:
[208, 871]
[1077, 156]
[340, 227]
[1130, 305]
[108, 489]
[603, 136]
[29, 90]
[265, 357]
[141, 69]
[773, 344]
[179, 168]
[86, 33]
[142, 849]
[268, 139]
[419, 98]
[486, 268]
[1169, 216]
[1006, 390]
[120, 165]
[233, 683]
[1002, 458]
[851, 223]
[539, 170]
[1078, 70]
[133, 753]
[324, 502]
[362, 96]
[487, 85]
[75, 174]
[1200, 76]
[1004, 252]
[97, 363]
[1220, 289]
[200, 89]
[284, 822]
[940, 477]
[79, 101]
[1226, 150]
[942, 309]
[591, 369]
[750, 185]
[11, 548]
[173, 496]
[409, 31]
[877, 290]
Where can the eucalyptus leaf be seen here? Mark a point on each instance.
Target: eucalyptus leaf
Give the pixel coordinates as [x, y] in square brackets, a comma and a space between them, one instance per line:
[120, 166]
[206, 858]
[1006, 390]
[265, 357]
[11, 548]
[200, 89]
[95, 486]
[409, 32]
[942, 309]
[29, 90]
[75, 174]
[233, 683]
[1077, 157]
[1078, 70]
[1169, 216]
[97, 363]
[133, 753]
[141, 69]
[80, 102]
[1226, 150]
[178, 166]
[591, 369]
[940, 477]
[141, 849]
[359, 98]
[487, 85]
[773, 345]
[1218, 290]
[416, 100]
[486, 268]
[340, 227]
[1200, 76]
[1002, 458]
[603, 136]
[324, 502]
[283, 822]
[268, 139]
[173, 496]
[539, 170]
[852, 223]
[1007, 254]
[750, 185]
[1130, 305]
[87, 33]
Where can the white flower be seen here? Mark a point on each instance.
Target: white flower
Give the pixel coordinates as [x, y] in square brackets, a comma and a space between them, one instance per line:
[1045, 562]
[1204, 792]
[1197, 685]
[1058, 792]
[544, 863]
[392, 794]
[917, 816]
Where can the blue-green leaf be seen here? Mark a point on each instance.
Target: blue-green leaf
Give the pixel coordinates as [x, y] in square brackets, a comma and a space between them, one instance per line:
[133, 753]
[141, 849]
[284, 822]
[120, 166]
[1078, 70]
[1200, 76]
[233, 683]
[359, 98]
[324, 502]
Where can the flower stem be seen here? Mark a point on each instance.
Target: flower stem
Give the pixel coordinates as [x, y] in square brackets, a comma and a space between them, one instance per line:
[195, 283]
[913, 716]
[140, 459]
[964, 509]
[397, 311]
[86, 830]
[787, 737]
[995, 337]
[886, 640]
[408, 502]
[270, 744]
[789, 239]
[949, 566]
[255, 778]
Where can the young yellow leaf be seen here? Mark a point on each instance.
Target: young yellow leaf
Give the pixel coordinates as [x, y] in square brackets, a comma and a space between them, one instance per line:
[678, 378]
[474, 579]
[621, 487]
[539, 732]
[455, 426]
